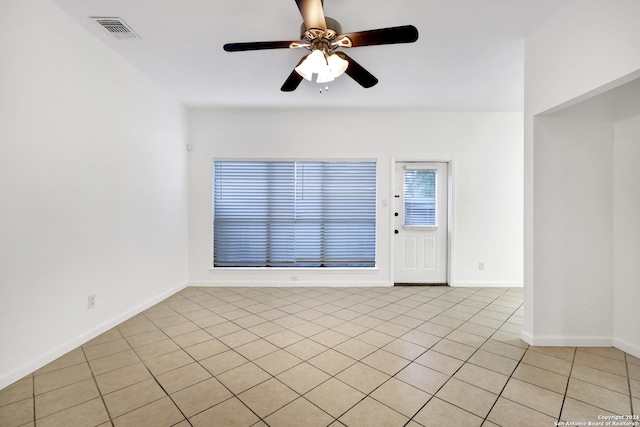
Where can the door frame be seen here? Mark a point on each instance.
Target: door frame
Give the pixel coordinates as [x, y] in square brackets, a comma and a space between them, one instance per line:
[450, 213]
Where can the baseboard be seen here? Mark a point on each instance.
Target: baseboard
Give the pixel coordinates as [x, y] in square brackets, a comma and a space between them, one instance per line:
[473, 284]
[526, 337]
[567, 341]
[290, 284]
[627, 347]
[588, 341]
[37, 363]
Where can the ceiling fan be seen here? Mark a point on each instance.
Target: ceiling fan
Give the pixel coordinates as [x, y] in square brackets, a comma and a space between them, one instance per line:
[323, 36]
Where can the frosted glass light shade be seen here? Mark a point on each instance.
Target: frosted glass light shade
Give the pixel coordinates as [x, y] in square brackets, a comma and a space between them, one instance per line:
[338, 65]
[312, 65]
[327, 69]
[325, 76]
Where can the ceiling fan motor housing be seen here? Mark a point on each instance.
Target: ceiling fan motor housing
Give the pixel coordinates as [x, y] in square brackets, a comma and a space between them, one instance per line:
[333, 29]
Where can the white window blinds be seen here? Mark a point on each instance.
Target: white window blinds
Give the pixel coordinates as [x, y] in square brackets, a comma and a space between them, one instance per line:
[294, 214]
[420, 197]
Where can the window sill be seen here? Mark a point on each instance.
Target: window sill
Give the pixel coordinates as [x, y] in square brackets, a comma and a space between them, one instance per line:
[298, 269]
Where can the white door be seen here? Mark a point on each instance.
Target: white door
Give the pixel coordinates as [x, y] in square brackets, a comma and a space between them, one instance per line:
[420, 222]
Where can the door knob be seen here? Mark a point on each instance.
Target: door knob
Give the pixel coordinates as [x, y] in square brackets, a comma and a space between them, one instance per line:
[396, 231]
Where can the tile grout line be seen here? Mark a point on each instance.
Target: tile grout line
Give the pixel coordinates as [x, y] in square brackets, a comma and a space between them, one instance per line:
[331, 376]
[510, 375]
[464, 362]
[479, 348]
[132, 349]
[234, 395]
[95, 382]
[141, 381]
[334, 376]
[626, 365]
[366, 395]
[450, 376]
[58, 388]
[573, 363]
[332, 348]
[486, 418]
[467, 361]
[566, 389]
[330, 298]
[156, 379]
[33, 388]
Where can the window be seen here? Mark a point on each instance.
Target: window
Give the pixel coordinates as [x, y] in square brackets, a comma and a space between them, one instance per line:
[294, 214]
[420, 198]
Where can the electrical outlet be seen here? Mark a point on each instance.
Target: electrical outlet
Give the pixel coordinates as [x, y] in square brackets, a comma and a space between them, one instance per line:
[293, 278]
[91, 302]
[481, 266]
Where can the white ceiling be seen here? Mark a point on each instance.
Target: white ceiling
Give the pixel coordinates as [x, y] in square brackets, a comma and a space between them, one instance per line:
[469, 55]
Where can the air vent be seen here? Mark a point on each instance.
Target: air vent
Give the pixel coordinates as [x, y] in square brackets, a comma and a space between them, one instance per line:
[116, 27]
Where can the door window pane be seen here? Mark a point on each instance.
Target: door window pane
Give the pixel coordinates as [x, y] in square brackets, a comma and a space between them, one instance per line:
[420, 198]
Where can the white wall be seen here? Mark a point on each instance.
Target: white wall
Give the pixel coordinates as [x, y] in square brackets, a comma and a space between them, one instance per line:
[627, 219]
[573, 226]
[587, 222]
[486, 149]
[92, 185]
[587, 48]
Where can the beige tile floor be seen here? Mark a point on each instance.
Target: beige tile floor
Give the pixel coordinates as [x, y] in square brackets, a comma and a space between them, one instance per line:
[403, 356]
